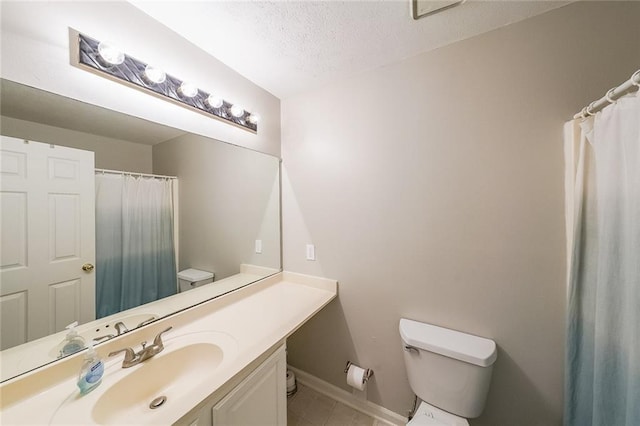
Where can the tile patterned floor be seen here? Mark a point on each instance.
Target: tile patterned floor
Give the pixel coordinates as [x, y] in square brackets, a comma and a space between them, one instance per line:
[310, 408]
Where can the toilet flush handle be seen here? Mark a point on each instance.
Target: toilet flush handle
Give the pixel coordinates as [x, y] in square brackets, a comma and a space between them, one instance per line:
[410, 348]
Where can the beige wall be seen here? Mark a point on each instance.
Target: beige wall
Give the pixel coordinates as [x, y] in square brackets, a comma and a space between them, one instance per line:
[433, 190]
[34, 47]
[229, 197]
[113, 154]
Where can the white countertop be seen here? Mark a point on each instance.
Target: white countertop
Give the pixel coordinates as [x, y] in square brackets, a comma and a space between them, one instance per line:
[259, 317]
[33, 354]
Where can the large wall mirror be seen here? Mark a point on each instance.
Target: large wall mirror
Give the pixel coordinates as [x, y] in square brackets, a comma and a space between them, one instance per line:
[224, 208]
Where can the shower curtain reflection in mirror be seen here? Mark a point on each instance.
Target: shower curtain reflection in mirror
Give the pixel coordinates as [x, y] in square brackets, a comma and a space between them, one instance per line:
[603, 230]
[135, 252]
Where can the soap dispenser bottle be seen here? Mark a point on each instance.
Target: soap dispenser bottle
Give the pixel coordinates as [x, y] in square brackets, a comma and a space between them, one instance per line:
[90, 375]
[72, 342]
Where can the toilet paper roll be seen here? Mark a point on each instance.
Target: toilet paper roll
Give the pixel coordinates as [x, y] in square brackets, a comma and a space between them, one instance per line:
[291, 379]
[355, 377]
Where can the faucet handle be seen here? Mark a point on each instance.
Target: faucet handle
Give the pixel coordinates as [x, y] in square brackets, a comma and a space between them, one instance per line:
[129, 355]
[147, 321]
[158, 340]
[105, 337]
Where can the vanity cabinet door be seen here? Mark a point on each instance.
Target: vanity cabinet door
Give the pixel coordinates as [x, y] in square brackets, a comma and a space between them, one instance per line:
[260, 399]
[203, 419]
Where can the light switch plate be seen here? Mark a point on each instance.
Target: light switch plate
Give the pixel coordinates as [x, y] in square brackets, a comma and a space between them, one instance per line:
[311, 252]
[258, 246]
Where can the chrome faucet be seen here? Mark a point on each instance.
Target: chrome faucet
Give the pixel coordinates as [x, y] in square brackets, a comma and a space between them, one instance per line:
[147, 321]
[132, 358]
[120, 327]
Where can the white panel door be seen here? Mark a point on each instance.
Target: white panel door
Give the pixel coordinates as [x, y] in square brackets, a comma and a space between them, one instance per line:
[47, 226]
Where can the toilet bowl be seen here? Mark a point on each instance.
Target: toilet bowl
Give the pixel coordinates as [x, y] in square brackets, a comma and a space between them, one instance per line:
[428, 415]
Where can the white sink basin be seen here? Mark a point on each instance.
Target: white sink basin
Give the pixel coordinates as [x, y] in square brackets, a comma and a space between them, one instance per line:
[165, 376]
[187, 362]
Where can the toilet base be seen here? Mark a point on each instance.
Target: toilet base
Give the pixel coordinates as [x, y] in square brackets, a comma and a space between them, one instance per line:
[428, 415]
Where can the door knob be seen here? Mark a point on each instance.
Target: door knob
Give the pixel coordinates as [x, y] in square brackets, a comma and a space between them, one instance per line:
[87, 267]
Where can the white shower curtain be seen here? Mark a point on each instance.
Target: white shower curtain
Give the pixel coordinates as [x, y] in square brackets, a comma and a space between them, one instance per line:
[134, 242]
[602, 380]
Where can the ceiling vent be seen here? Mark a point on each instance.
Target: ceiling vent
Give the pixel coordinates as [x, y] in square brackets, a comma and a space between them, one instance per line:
[422, 8]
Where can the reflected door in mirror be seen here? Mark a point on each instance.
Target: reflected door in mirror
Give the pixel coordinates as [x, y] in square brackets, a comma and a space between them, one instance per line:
[47, 225]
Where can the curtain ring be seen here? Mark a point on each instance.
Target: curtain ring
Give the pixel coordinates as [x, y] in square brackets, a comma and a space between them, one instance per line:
[609, 96]
[590, 108]
[583, 113]
[635, 78]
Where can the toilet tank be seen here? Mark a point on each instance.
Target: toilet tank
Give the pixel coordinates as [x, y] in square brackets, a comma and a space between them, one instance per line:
[192, 278]
[447, 368]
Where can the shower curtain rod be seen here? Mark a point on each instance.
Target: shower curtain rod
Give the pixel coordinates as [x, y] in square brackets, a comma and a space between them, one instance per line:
[119, 172]
[610, 97]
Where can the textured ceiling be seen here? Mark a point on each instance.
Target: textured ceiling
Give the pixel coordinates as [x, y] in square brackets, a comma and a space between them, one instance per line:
[289, 46]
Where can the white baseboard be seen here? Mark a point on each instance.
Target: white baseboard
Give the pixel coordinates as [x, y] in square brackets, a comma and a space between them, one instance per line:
[367, 407]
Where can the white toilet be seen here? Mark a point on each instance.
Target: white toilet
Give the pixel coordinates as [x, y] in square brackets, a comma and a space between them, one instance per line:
[192, 278]
[449, 371]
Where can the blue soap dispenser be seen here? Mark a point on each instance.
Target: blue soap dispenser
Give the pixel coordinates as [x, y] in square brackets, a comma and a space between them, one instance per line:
[72, 342]
[91, 372]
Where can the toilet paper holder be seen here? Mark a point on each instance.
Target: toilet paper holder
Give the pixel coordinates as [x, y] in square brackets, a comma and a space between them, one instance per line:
[367, 375]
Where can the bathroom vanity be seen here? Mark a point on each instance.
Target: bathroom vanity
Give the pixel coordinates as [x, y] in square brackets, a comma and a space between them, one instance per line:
[223, 363]
[35, 353]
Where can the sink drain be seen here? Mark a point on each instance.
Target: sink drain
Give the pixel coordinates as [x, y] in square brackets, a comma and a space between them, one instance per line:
[157, 402]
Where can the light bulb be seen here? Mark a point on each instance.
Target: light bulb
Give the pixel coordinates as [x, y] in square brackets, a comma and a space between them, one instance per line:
[110, 53]
[237, 111]
[214, 101]
[188, 90]
[254, 118]
[154, 75]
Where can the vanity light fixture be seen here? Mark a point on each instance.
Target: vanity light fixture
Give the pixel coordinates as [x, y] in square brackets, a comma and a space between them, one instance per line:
[254, 118]
[214, 101]
[236, 111]
[188, 90]
[154, 75]
[105, 59]
[110, 54]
